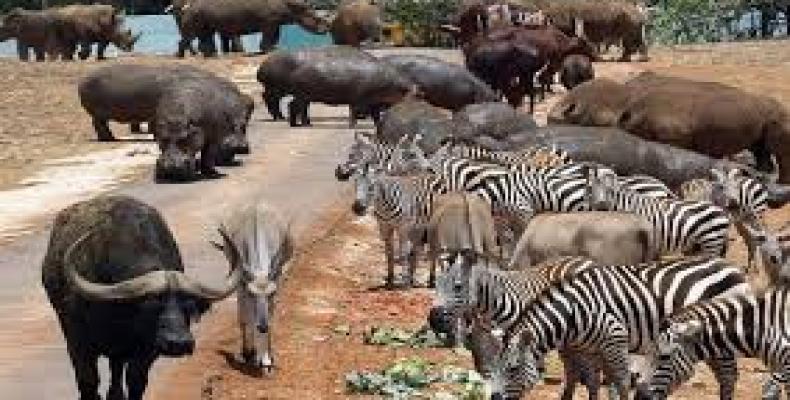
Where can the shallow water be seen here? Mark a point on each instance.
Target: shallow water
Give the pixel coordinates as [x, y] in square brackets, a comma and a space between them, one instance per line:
[160, 36]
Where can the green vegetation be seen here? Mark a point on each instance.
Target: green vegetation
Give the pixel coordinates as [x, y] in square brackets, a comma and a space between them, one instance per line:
[397, 337]
[417, 378]
[421, 19]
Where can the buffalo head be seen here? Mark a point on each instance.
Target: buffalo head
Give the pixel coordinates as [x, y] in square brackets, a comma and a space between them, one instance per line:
[166, 302]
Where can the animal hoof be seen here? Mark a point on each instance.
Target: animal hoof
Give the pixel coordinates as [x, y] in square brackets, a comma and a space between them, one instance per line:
[211, 174]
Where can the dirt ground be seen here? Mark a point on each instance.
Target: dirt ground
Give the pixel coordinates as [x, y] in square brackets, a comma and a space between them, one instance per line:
[334, 277]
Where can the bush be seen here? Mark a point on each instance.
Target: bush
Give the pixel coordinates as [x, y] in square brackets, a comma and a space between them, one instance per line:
[421, 19]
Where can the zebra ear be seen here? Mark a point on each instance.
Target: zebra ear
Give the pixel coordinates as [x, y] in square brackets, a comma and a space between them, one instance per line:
[688, 331]
[718, 175]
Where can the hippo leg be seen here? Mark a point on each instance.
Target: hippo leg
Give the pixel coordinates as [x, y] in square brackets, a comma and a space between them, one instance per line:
[297, 110]
[306, 113]
[208, 158]
[224, 43]
[135, 128]
[41, 54]
[183, 45]
[270, 34]
[271, 97]
[762, 156]
[115, 392]
[207, 46]
[103, 131]
[137, 376]
[85, 50]
[100, 49]
[86, 371]
[235, 45]
[23, 51]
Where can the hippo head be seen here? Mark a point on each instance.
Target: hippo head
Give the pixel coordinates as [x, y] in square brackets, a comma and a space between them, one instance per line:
[125, 40]
[163, 302]
[178, 140]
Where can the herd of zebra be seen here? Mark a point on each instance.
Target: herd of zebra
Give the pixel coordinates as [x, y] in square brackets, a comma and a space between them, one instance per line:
[641, 326]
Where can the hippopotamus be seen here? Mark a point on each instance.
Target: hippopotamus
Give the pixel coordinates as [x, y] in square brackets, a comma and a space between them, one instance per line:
[492, 120]
[191, 117]
[626, 154]
[332, 75]
[442, 84]
[134, 93]
[413, 117]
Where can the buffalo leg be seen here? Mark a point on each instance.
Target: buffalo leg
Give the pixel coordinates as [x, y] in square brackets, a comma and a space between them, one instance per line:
[135, 128]
[23, 51]
[183, 45]
[292, 112]
[86, 371]
[115, 392]
[103, 131]
[297, 110]
[137, 376]
[208, 159]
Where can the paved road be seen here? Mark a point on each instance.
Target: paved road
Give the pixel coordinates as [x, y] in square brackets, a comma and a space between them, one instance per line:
[290, 168]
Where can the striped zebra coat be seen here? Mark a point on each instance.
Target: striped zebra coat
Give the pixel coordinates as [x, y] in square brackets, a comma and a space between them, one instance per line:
[467, 291]
[402, 205]
[607, 312]
[685, 227]
[718, 330]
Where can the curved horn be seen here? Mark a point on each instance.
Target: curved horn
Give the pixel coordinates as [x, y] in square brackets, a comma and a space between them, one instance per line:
[150, 283]
[190, 286]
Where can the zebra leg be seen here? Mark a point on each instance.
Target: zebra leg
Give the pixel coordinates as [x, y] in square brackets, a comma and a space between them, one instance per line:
[726, 372]
[614, 352]
[386, 233]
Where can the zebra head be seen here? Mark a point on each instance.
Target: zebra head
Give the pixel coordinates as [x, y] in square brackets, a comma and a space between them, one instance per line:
[513, 368]
[360, 153]
[726, 189]
[669, 363]
[364, 187]
[602, 190]
[452, 300]
[773, 248]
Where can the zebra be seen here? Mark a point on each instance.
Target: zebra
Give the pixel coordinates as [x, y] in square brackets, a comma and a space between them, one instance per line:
[745, 198]
[680, 226]
[774, 249]
[367, 149]
[534, 156]
[401, 204]
[716, 331]
[591, 311]
[458, 301]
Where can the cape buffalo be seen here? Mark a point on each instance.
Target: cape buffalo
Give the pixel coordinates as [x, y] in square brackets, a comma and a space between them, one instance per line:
[114, 275]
